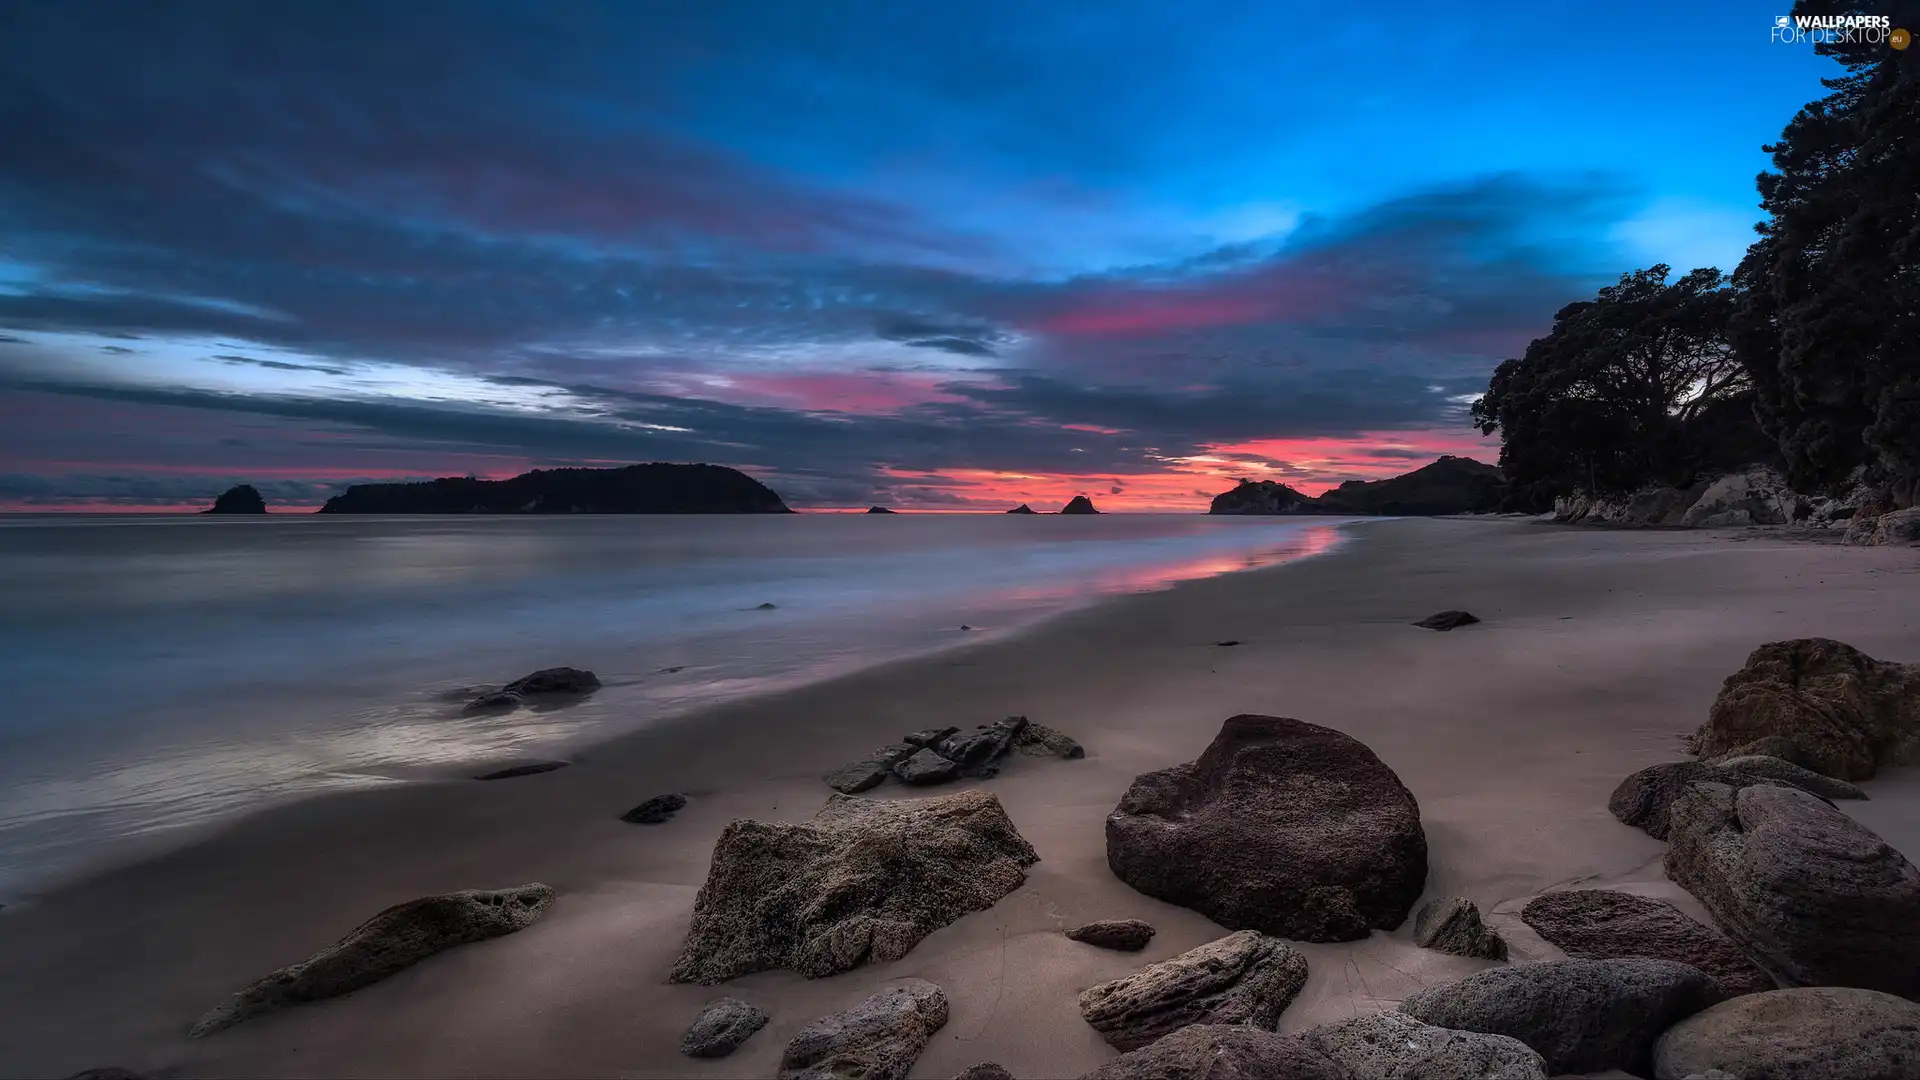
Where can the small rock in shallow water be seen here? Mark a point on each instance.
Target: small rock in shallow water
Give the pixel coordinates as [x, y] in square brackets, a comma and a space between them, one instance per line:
[1126, 935]
[533, 769]
[721, 1027]
[395, 939]
[1451, 924]
[1447, 620]
[878, 1039]
[557, 680]
[498, 701]
[655, 810]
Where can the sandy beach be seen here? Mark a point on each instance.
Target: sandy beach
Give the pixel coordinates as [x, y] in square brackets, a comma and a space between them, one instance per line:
[1599, 650]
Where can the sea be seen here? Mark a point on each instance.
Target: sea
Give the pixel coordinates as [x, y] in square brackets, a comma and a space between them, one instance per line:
[166, 672]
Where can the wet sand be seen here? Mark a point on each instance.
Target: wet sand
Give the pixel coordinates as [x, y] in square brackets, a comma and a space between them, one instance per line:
[1599, 651]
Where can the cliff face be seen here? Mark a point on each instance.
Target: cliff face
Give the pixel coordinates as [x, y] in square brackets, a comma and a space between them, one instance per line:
[240, 499]
[1451, 485]
[658, 488]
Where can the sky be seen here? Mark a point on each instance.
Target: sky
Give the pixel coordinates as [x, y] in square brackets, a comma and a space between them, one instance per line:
[931, 255]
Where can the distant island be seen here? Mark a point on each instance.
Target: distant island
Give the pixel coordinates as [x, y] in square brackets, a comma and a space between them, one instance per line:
[239, 499]
[878, 510]
[1023, 508]
[1079, 504]
[1450, 485]
[657, 488]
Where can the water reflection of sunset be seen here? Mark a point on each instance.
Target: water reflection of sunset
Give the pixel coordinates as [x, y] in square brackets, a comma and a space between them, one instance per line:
[1297, 544]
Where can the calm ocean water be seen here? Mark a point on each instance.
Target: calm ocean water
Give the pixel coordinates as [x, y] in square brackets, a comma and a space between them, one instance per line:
[167, 671]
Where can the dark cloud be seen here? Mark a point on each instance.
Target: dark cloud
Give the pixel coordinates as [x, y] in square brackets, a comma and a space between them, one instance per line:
[5, 340]
[117, 350]
[278, 365]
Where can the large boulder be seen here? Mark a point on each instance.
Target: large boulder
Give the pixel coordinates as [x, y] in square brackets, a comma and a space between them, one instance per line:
[1755, 496]
[1451, 924]
[1814, 895]
[1898, 527]
[1600, 924]
[395, 939]
[1280, 826]
[721, 1027]
[1243, 978]
[1847, 713]
[1645, 799]
[1580, 1015]
[861, 882]
[1222, 1052]
[1395, 1046]
[878, 1039]
[1781, 769]
[1806, 1033]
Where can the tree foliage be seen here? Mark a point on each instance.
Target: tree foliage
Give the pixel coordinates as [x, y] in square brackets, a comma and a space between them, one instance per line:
[1637, 385]
[1829, 319]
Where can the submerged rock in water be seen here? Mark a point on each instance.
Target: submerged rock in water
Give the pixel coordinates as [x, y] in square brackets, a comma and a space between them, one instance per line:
[395, 939]
[1451, 924]
[556, 680]
[1280, 826]
[656, 810]
[1447, 620]
[1600, 924]
[862, 882]
[1814, 895]
[494, 701]
[1126, 935]
[1243, 978]
[721, 1027]
[878, 1039]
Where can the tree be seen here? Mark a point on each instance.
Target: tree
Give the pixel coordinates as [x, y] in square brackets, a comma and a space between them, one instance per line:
[1620, 391]
[1829, 323]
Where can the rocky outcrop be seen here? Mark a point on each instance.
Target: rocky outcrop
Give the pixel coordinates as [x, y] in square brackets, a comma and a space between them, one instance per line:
[1079, 504]
[1264, 497]
[1126, 935]
[1451, 924]
[721, 1027]
[1600, 924]
[938, 755]
[1579, 1015]
[1448, 620]
[395, 939]
[1645, 799]
[1222, 1052]
[1757, 495]
[545, 685]
[239, 499]
[878, 1039]
[1243, 978]
[657, 488]
[1846, 713]
[1395, 1046]
[861, 882]
[871, 771]
[1813, 895]
[1808, 1033]
[1787, 772]
[1897, 527]
[656, 810]
[1023, 508]
[1647, 507]
[1280, 826]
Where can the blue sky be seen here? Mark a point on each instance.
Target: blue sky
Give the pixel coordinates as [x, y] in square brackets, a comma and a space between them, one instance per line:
[934, 255]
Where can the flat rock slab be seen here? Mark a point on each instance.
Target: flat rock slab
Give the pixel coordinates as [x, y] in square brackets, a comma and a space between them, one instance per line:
[1452, 924]
[878, 1039]
[1816, 897]
[1807, 1033]
[1845, 712]
[1600, 924]
[1280, 826]
[1579, 1015]
[1222, 1052]
[1447, 620]
[862, 882]
[1781, 769]
[656, 810]
[1395, 1046]
[1126, 935]
[1645, 799]
[721, 1027]
[1243, 978]
[395, 939]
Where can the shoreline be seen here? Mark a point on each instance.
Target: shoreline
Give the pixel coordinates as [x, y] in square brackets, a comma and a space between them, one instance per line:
[1599, 648]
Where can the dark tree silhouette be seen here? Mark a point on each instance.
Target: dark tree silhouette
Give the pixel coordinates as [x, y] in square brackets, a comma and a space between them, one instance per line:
[1621, 391]
[1829, 323]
